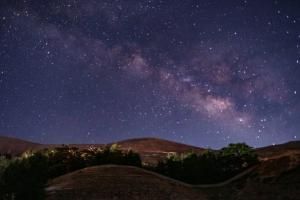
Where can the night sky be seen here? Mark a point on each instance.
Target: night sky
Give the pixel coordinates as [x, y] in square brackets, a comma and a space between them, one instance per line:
[205, 72]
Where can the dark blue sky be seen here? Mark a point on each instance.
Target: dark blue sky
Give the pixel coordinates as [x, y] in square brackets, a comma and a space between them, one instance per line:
[205, 73]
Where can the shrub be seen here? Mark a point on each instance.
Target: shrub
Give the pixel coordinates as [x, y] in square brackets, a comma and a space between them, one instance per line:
[210, 166]
[24, 178]
[4, 163]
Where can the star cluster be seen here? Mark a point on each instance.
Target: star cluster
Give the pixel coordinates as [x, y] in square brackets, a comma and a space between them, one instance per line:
[205, 73]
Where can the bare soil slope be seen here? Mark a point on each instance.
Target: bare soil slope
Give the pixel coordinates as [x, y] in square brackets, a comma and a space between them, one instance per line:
[118, 182]
[277, 177]
[156, 145]
[150, 149]
[274, 178]
[270, 151]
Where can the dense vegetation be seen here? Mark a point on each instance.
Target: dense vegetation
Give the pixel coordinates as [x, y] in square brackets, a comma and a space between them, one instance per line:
[209, 167]
[25, 177]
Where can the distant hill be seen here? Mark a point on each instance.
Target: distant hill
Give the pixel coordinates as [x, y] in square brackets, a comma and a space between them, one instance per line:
[156, 145]
[153, 149]
[150, 149]
[275, 150]
[15, 146]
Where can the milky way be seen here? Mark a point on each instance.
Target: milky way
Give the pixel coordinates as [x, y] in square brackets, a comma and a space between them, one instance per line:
[206, 73]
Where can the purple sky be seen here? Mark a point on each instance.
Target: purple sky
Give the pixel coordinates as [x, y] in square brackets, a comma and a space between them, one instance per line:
[206, 73]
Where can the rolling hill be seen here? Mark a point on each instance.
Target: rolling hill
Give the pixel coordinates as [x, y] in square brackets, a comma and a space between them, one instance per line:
[277, 176]
[156, 145]
[150, 149]
[118, 182]
[15, 146]
[270, 151]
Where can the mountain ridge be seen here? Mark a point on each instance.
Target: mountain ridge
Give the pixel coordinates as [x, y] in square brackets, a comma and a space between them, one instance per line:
[153, 144]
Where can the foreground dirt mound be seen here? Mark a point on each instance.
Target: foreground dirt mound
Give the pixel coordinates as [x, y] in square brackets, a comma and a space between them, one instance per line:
[118, 182]
[276, 178]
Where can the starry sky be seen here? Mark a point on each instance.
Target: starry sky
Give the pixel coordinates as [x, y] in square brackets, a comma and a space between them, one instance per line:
[203, 72]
